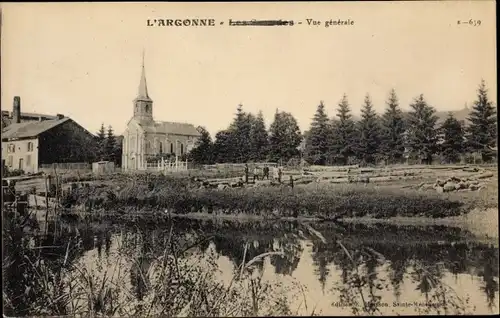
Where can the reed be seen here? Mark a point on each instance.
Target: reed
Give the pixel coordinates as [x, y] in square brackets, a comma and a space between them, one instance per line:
[171, 285]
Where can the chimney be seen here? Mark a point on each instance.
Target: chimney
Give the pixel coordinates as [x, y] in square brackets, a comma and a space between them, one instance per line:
[60, 116]
[16, 111]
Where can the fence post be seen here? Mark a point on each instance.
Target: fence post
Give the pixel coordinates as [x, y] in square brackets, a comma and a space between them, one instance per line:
[46, 205]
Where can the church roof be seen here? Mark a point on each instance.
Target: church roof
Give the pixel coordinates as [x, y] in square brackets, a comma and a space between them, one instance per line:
[166, 127]
[143, 87]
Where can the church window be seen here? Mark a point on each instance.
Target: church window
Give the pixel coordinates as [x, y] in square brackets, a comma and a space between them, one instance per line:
[146, 108]
[11, 148]
[30, 146]
[148, 146]
[171, 147]
[182, 149]
[132, 144]
[161, 147]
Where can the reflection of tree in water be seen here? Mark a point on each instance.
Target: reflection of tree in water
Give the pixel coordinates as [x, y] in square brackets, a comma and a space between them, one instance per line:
[322, 257]
[234, 249]
[397, 268]
[278, 240]
[489, 271]
[103, 239]
[458, 259]
[139, 270]
[427, 275]
[358, 287]
[34, 265]
[287, 263]
[427, 252]
[419, 249]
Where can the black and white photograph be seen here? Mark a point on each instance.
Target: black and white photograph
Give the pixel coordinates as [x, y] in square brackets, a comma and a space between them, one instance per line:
[247, 159]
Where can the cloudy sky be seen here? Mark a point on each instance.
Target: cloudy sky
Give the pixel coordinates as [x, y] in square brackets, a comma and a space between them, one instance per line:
[84, 60]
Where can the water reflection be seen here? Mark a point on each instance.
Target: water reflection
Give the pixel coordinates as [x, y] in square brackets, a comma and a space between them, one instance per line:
[354, 269]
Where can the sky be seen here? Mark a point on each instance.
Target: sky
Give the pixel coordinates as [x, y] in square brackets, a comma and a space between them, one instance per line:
[83, 60]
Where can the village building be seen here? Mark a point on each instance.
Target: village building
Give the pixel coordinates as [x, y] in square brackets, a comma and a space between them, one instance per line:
[10, 117]
[28, 144]
[145, 139]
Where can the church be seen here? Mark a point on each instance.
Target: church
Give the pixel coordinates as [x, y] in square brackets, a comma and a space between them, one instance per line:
[145, 139]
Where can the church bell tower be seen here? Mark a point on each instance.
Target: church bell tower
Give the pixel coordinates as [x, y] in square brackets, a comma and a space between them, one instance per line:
[143, 104]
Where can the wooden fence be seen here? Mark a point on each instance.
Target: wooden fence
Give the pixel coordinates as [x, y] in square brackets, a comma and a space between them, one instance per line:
[68, 165]
[167, 165]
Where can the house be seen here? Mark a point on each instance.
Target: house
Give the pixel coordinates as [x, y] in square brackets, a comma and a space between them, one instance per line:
[144, 138]
[16, 115]
[29, 144]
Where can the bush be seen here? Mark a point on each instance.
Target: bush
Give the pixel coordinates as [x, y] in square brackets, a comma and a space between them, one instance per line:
[12, 173]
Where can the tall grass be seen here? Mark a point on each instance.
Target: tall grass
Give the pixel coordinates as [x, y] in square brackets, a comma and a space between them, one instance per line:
[171, 285]
[167, 283]
[183, 195]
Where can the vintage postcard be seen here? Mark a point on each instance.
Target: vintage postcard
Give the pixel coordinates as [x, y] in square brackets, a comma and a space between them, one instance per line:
[249, 159]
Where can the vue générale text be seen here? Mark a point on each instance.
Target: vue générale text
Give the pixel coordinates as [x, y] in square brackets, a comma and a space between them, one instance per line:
[208, 22]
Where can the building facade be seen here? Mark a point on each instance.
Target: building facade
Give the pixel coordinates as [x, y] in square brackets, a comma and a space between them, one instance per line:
[145, 139]
[28, 145]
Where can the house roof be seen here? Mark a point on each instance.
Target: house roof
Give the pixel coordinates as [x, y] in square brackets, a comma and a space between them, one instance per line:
[34, 115]
[171, 128]
[7, 117]
[30, 129]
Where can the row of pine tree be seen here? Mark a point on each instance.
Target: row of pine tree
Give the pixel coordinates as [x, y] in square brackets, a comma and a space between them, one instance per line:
[391, 137]
[109, 148]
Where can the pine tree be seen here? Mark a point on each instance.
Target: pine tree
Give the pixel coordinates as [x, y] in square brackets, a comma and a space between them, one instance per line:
[318, 139]
[344, 134]
[203, 150]
[101, 143]
[258, 138]
[368, 133]
[118, 150]
[422, 135]
[240, 136]
[453, 140]
[110, 145]
[284, 137]
[223, 147]
[392, 130]
[482, 132]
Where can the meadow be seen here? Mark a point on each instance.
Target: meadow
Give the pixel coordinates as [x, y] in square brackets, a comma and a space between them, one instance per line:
[182, 194]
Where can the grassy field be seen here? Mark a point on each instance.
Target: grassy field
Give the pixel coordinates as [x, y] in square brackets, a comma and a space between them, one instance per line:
[183, 194]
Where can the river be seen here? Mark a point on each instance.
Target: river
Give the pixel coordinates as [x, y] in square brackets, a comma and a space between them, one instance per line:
[194, 268]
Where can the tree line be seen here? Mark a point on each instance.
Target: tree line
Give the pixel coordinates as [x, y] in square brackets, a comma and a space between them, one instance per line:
[392, 137]
[108, 147]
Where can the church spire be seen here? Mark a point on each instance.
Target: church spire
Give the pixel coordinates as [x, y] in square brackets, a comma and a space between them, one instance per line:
[143, 87]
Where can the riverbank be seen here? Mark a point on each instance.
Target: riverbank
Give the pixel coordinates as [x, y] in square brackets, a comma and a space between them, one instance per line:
[129, 194]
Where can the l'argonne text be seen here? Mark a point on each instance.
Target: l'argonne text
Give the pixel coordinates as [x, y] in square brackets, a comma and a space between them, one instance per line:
[208, 22]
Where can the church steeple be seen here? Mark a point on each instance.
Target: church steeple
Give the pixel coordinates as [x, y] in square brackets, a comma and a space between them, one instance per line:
[143, 87]
[143, 104]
